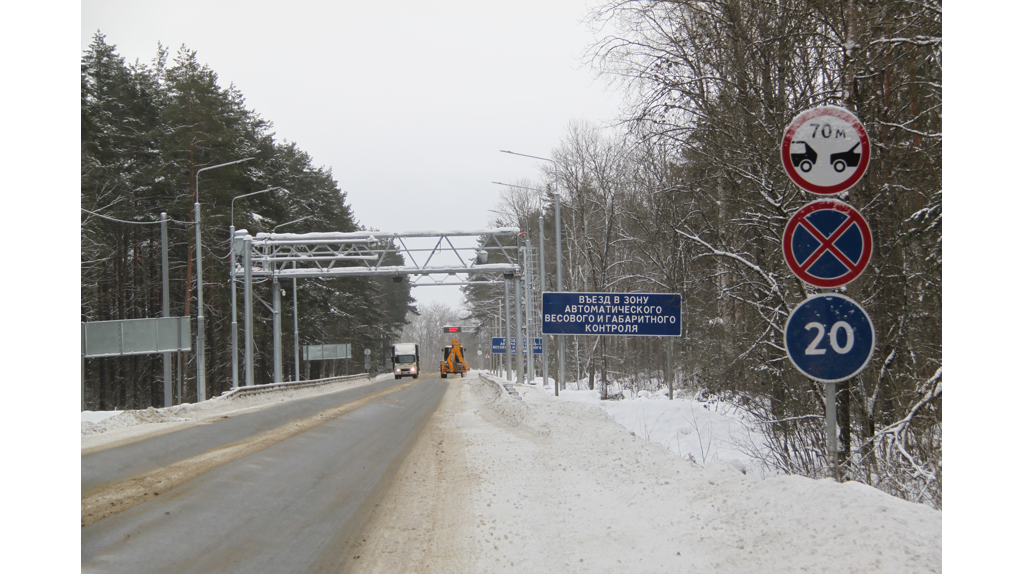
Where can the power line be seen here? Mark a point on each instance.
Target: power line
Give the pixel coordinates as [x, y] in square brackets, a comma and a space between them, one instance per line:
[134, 222]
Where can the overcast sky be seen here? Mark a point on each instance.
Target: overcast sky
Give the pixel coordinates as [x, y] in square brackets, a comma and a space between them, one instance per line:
[408, 102]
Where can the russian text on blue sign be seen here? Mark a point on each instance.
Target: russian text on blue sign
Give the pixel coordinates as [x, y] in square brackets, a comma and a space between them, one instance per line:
[829, 338]
[638, 314]
[498, 345]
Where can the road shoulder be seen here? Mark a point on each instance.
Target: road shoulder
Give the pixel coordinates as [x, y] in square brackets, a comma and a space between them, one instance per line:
[423, 523]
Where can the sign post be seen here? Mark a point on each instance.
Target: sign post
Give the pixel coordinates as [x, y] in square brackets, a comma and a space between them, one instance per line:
[830, 338]
[827, 244]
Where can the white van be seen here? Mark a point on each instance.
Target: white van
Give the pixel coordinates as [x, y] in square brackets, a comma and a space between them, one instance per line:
[406, 359]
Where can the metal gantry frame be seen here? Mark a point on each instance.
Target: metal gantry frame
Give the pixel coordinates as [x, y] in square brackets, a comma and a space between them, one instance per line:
[427, 254]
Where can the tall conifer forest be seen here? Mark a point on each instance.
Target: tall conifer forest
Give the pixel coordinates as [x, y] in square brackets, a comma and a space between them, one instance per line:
[146, 130]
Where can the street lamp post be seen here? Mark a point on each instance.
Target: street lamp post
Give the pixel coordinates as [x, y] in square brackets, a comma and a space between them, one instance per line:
[234, 301]
[558, 257]
[200, 332]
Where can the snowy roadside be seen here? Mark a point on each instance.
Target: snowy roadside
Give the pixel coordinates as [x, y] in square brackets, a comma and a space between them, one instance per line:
[701, 431]
[106, 428]
[556, 485]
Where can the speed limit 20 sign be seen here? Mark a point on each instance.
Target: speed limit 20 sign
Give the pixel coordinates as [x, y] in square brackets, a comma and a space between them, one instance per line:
[830, 338]
[825, 150]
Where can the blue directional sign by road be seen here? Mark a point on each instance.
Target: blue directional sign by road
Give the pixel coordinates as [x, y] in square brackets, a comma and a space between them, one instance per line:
[830, 338]
[634, 314]
[498, 345]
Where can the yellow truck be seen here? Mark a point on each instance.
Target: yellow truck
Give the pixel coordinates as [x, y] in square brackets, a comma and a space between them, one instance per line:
[454, 360]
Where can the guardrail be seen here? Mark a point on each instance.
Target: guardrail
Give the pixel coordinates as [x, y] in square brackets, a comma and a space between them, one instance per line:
[270, 387]
[504, 387]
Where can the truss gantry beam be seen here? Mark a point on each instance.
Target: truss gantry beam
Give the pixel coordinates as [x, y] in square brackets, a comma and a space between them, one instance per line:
[307, 255]
[426, 255]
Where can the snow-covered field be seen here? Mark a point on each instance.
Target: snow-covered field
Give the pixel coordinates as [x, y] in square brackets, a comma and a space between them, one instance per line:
[575, 484]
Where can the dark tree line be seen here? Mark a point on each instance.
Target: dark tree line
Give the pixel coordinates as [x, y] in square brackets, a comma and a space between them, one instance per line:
[689, 196]
[146, 131]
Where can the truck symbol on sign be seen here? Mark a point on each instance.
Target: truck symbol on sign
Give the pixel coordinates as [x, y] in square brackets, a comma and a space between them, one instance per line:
[804, 160]
[847, 158]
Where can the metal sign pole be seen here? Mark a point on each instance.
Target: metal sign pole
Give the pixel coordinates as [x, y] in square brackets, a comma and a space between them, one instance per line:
[830, 428]
[83, 366]
[278, 363]
[528, 284]
[669, 374]
[543, 278]
[248, 311]
[519, 333]
[295, 316]
[181, 370]
[234, 312]
[508, 335]
[168, 391]
[200, 332]
[558, 267]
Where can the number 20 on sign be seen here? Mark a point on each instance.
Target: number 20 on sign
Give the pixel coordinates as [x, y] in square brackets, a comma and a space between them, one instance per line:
[830, 338]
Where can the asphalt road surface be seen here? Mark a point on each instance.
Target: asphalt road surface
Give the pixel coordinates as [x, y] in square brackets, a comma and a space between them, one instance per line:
[114, 464]
[295, 506]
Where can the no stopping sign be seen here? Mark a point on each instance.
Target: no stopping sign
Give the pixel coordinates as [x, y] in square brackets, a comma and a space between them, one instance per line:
[827, 243]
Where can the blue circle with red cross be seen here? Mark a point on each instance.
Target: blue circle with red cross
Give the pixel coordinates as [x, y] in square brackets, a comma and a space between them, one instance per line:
[827, 243]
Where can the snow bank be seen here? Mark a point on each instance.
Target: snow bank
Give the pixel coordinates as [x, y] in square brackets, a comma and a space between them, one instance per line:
[698, 431]
[590, 496]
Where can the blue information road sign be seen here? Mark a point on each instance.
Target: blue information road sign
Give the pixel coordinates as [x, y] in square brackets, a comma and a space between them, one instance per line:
[538, 345]
[634, 314]
[829, 338]
[498, 345]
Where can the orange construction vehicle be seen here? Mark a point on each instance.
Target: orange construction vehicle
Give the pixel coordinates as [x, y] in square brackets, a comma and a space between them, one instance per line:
[454, 360]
